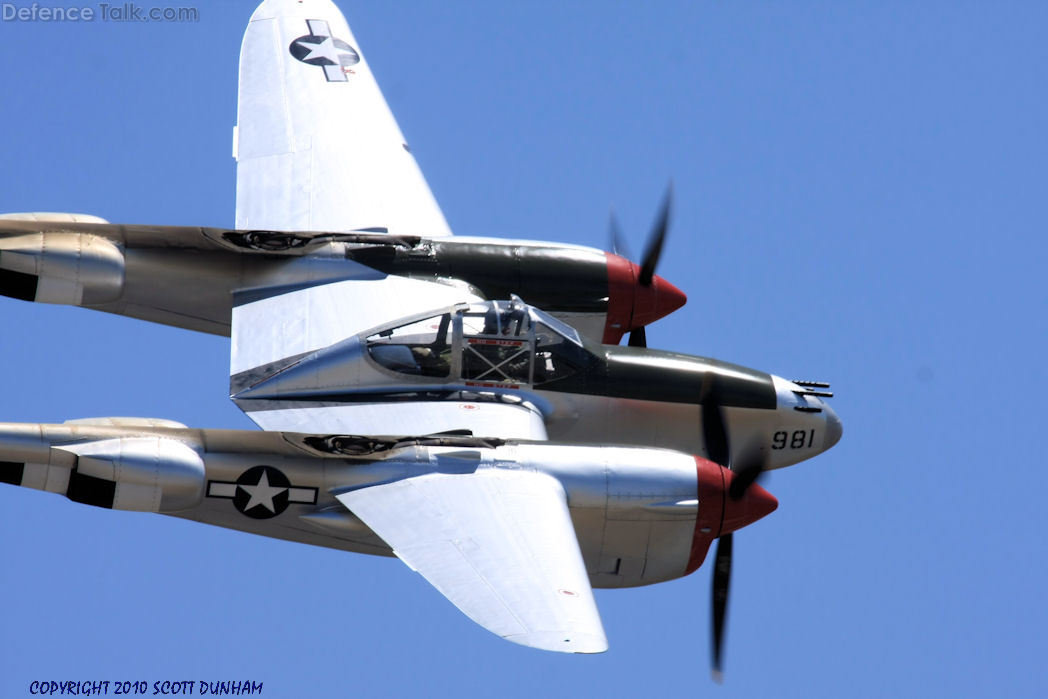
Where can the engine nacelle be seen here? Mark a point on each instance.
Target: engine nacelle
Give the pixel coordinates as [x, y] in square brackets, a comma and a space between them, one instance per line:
[145, 474]
[76, 269]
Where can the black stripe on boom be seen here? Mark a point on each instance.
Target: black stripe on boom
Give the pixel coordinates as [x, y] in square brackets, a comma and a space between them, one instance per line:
[90, 490]
[18, 285]
[11, 472]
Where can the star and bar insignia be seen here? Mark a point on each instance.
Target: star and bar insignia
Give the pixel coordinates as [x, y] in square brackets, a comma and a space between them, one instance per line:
[320, 48]
[261, 492]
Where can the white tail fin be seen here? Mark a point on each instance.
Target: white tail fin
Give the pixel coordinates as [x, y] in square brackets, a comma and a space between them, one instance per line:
[317, 147]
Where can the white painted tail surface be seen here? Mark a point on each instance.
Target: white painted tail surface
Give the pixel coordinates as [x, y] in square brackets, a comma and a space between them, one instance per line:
[317, 147]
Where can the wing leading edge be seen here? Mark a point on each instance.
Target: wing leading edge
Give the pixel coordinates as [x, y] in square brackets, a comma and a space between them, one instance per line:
[499, 544]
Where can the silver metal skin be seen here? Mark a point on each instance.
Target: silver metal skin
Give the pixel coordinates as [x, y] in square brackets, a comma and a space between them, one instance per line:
[152, 474]
[623, 501]
[140, 271]
[751, 431]
[417, 374]
[72, 268]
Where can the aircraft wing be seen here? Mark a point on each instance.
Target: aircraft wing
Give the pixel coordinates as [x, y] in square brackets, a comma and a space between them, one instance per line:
[317, 147]
[499, 544]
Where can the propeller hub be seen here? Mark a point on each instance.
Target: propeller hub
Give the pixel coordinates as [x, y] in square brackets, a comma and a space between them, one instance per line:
[755, 503]
[719, 513]
[633, 304]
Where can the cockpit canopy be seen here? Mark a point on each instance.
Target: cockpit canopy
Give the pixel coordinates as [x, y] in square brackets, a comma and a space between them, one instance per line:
[497, 342]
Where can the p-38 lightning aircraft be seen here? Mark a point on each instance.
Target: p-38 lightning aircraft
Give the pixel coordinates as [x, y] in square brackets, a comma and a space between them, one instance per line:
[459, 403]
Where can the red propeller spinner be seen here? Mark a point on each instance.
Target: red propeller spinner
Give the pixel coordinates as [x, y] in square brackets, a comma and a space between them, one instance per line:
[632, 304]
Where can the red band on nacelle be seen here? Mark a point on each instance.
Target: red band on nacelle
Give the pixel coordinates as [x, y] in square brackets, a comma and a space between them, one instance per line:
[710, 489]
[621, 281]
[718, 513]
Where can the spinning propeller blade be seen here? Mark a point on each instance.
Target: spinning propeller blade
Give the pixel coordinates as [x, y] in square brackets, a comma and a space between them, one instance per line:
[618, 243]
[721, 584]
[745, 476]
[656, 239]
[652, 253]
[718, 450]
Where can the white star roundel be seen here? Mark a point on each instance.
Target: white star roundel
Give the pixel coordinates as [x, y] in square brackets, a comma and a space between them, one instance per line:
[262, 492]
[319, 48]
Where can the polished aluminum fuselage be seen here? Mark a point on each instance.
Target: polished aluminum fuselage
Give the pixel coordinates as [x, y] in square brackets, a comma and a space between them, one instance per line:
[623, 396]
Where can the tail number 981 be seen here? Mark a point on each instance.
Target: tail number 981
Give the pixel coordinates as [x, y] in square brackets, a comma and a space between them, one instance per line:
[798, 439]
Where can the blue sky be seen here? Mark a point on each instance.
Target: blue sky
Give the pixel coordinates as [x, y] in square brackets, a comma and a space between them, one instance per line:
[860, 198]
